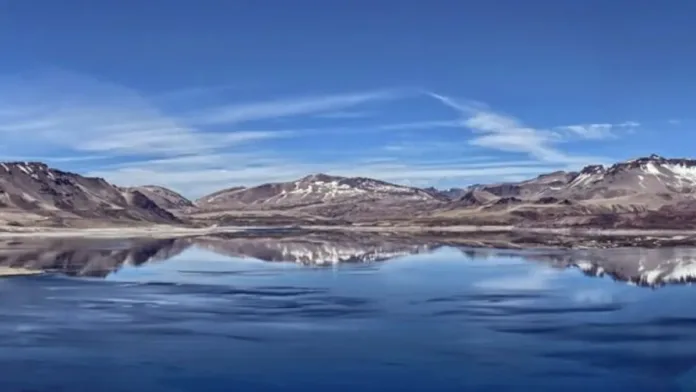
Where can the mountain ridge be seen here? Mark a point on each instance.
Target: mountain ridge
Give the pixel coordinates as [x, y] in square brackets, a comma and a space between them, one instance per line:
[34, 191]
[324, 195]
[645, 192]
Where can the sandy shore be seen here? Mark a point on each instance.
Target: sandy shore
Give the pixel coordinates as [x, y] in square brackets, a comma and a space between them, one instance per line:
[8, 271]
[163, 231]
[115, 232]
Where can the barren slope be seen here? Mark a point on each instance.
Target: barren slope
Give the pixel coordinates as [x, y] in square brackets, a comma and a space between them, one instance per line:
[163, 197]
[32, 188]
[325, 196]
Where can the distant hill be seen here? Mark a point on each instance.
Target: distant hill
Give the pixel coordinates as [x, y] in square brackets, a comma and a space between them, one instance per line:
[46, 193]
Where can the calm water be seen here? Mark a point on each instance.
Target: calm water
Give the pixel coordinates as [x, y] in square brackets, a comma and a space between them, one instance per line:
[425, 319]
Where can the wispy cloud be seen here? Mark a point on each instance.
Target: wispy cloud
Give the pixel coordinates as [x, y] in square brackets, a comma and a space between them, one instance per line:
[174, 141]
[674, 121]
[532, 280]
[422, 125]
[344, 114]
[506, 133]
[73, 112]
[594, 296]
[186, 94]
[599, 131]
[243, 112]
[115, 132]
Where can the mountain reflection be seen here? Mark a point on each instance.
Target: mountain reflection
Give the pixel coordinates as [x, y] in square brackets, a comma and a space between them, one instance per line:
[89, 258]
[99, 258]
[643, 267]
[314, 251]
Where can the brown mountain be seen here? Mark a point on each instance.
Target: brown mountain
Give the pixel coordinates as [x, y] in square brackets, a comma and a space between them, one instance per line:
[327, 196]
[649, 192]
[33, 193]
[163, 197]
[641, 193]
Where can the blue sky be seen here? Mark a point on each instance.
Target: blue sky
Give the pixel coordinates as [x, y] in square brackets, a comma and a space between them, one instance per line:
[204, 95]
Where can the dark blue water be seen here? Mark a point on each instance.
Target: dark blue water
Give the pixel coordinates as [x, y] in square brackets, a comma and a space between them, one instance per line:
[432, 322]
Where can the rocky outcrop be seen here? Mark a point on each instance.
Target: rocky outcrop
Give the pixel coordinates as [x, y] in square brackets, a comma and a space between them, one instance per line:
[327, 196]
[163, 197]
[33, 187]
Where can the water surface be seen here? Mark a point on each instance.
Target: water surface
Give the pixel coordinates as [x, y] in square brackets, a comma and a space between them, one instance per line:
[272, 314]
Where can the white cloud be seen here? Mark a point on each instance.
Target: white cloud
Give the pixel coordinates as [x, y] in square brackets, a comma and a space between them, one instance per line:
[343, 114]
[422, 125]
[239, 113]
[533, 280]
[593, 296]
[71, 118]
[590, 131]
[55, 159]
[674, 121]
[506, 133]
[174, 140]
[186, 94]
[64, 111]
[599, 131]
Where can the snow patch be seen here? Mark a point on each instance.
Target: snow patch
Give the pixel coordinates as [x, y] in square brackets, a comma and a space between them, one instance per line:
[327, 254]
[24, 169]
[682, 172]
[650, 168]
[27, 197]
[682, 272]
[641, 179]
[651, 277]
[581, 180]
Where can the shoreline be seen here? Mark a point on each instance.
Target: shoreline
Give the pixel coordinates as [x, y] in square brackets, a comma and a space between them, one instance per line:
[12, 271]
[178, 231]
[503, 237]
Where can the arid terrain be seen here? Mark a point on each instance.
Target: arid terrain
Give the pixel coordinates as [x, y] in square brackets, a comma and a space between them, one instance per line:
[650, 193]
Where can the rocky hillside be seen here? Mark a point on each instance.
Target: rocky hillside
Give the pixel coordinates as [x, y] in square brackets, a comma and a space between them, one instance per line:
[163, 197]
[648, 192]
[33, 188]
[324, 195]
[653, 175]
[451, 193]
[645, 192]
[312, 189]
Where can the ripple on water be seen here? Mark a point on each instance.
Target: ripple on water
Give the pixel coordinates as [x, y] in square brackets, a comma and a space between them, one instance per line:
[428, 325]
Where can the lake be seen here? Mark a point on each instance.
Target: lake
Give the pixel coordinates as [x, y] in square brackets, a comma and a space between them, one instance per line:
[335, 314]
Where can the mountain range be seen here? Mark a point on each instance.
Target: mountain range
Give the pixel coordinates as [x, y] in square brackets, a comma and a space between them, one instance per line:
[648, 192]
